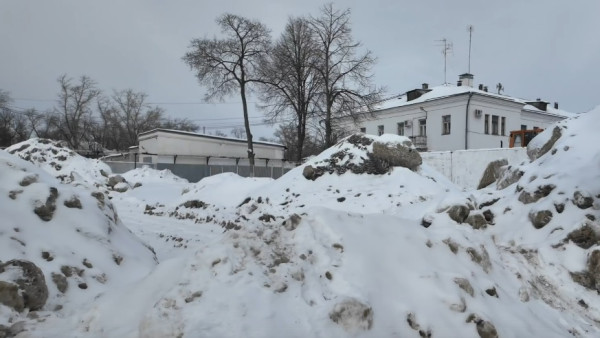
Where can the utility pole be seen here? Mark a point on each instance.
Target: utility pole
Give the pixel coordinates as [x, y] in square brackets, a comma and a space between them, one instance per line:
[470, 30]
[446, 48]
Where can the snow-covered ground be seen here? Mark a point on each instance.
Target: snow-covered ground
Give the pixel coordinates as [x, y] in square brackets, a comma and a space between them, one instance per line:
[356, 250]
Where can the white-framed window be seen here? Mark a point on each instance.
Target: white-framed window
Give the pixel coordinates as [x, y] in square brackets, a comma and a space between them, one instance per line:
[363, 130]
[423, 127]
[486, 125]
[446, 125]
[494, 124]
[401, 128]
[380, 130]
[503, 126]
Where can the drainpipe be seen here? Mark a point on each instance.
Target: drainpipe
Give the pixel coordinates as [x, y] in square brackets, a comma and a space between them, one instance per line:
[467, 121]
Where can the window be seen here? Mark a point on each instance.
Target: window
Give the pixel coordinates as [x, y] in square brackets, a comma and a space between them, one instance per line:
[401, 128]
[503, 126]
[486, 126]
[380, 130]
[423, 127]
[446, 125]
[363, 130]
[494, 124]
[523, 127]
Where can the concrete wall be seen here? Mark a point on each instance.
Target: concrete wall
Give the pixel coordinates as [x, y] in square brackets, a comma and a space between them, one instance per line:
[196, 172]
[465, 167]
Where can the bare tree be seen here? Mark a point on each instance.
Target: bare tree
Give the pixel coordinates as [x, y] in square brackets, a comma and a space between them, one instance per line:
[238, 132]
[135, 115]
[74, 109]
[179, 124]
[286, 135]
[291, 80]
[230, 64]
[219, 133]
[14, 127]
[346, 75]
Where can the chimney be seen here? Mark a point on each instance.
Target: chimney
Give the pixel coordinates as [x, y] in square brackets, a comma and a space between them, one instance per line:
[485, 89]
[425, 86]
[555, 105]
[466, 79]
[480, 86]
[459, 83]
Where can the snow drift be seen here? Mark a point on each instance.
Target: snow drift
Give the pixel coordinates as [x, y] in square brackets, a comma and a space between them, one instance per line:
[70, 233]
[364, 248]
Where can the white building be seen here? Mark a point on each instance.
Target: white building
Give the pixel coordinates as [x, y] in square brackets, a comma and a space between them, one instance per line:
[194, 156]
[452, 117]
[173, 146]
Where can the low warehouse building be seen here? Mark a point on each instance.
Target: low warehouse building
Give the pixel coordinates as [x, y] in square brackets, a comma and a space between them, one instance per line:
[194, 156]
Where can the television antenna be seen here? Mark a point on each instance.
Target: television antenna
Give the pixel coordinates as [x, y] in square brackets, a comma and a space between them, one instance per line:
[446, 49]
[470, 30]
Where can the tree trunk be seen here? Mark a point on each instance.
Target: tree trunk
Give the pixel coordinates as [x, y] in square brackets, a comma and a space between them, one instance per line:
[301, 131]
[247, 125]
[328, 128]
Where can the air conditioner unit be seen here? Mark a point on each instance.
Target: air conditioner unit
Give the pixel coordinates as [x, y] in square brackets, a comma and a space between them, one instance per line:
[408, 124]
[478, 112]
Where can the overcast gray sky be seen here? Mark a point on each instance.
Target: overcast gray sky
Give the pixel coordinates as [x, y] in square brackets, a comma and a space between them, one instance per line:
[546, 49]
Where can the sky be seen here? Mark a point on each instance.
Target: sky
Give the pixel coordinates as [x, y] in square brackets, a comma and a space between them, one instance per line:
[536, 48]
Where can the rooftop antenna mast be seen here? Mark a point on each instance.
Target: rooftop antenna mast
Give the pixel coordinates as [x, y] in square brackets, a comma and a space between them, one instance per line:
[470, 30]
[446, 49]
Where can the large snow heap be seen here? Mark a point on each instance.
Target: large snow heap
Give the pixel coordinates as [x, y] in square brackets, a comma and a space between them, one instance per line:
[60, 244]
[358, 245]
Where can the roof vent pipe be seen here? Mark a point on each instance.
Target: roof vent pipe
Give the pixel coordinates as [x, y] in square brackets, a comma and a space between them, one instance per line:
[555, 105]
[480, 86]
[459, 83]
[485, 89]
[425, 86]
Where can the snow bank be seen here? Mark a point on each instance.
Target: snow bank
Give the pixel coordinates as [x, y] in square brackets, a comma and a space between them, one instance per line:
[72, 233]
[146, 175]
[392, 252]
[61, 162]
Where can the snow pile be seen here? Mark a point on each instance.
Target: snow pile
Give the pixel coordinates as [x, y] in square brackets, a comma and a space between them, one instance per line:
[398, 253]
[148, 175]
[72, 234]
[345, 182]
[62, 162]
[364, 248]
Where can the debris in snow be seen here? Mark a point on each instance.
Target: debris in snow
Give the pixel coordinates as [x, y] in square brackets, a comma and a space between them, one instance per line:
[29, 281]
[492, 172]
[352, 315]
[537, 147]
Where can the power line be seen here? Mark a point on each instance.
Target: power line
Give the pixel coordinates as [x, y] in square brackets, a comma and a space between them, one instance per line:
[158, 102]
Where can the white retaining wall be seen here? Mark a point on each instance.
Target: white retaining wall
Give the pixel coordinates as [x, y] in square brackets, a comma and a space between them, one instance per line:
[465, 167]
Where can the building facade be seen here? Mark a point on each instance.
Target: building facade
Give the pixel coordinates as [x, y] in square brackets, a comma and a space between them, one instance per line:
[453, 117]
[195, 156]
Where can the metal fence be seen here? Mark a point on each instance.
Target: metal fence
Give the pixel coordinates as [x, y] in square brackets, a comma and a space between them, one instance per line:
[196, 172]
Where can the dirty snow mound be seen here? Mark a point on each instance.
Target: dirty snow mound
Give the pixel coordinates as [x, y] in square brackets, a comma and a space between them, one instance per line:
[62, 162]
[72, 234]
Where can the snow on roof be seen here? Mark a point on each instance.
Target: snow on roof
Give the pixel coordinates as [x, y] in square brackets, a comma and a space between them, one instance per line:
[173, 131]
[447, 90]
[549, 110]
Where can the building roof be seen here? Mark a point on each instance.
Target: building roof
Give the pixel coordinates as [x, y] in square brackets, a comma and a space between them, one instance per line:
[188, 133]
[449, 90]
